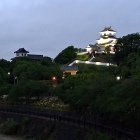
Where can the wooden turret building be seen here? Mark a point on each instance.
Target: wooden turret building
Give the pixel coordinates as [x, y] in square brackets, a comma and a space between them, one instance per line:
[21, 52]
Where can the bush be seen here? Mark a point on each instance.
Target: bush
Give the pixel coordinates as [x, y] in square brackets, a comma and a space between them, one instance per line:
[9, 127]
[97, 136]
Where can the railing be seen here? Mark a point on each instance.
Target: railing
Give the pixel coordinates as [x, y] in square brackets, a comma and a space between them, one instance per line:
[116, 133]
[93, 63]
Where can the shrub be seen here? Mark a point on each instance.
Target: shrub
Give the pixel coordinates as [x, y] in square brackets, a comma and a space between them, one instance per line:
[9, 127]
[97, 136]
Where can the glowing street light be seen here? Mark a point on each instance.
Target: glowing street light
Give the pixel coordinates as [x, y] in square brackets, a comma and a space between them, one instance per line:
[54, 81]
[54, 78]
[118, 77]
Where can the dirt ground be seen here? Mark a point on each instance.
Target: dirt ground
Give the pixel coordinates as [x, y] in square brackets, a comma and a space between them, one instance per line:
[4, 137]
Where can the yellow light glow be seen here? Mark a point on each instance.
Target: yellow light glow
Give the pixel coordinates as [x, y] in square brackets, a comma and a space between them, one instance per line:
[98, 63]
[54, 78]
[77, 61]
[87, 62]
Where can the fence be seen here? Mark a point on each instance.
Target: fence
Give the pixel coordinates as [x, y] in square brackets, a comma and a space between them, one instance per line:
[116, 133]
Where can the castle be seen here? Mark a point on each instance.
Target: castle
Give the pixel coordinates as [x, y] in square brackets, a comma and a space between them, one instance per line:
[105, 43]
[21, 52]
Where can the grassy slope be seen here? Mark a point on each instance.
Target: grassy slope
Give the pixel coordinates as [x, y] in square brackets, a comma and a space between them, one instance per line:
[82, 57]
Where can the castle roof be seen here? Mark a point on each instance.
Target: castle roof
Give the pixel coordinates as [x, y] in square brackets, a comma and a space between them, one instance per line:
[94, 47]
[108, 29]
[108, 37]
[21, 50]
[69, 68]
[35, 56]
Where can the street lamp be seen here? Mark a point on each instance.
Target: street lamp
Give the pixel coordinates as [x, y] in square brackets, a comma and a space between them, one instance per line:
[54, 81]
[118, 78]
[54, 78]
[15, 79]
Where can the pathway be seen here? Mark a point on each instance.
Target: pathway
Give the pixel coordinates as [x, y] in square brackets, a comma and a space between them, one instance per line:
[5, 137]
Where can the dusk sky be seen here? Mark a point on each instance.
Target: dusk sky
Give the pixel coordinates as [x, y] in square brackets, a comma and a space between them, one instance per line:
[48, 26]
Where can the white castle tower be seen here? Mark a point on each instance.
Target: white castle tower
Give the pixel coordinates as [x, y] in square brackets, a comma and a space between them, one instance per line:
[107, 38]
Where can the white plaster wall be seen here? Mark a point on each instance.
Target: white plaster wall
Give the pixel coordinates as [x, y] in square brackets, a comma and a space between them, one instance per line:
[101, 41]
[21, 54]
[108, 33]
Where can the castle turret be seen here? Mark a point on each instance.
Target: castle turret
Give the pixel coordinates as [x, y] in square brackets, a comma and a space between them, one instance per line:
[21, 52]
[107, 38]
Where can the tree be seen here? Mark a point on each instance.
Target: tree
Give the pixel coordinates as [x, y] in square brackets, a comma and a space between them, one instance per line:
[4, 90]
[129, 67]
[43, 70]
[26, 90]
[47, 61]
[126, 45]
[66, 56]
[5, 65]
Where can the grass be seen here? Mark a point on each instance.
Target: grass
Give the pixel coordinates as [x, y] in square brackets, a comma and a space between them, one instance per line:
[97, 136]
[82, 57]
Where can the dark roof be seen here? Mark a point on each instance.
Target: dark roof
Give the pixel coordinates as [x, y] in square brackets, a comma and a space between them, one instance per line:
[113, 37]
[21, 50]
[35, 56]
[94, 47]
[108, 29]
[110, 37]
[73, 67]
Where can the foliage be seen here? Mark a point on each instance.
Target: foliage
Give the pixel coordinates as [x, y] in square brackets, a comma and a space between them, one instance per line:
[27, 90]
[24, 68]
[126, 45]
[3, 76]
[80, 93]
[97, 136]
[107, 49]
[5, 65]
[104, 95]
[96, 69]
[42, 70]
[122, 100]
[4, 90]
[82, 57]
[66, 56]
[47, 61]
[9, 127]
[51, 102]
[129, 67]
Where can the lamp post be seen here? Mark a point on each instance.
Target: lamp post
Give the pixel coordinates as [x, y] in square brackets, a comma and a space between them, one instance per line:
[53, 78]
[15, 80]
[54, 81]
[118, 78]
